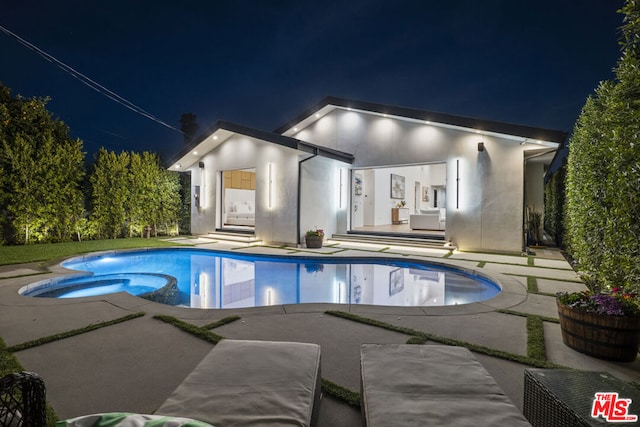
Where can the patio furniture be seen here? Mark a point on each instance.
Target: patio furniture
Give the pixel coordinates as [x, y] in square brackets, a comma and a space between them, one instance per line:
[126, 419]
[562, 397]
[22, 400]
[251, 383]
[434, 385]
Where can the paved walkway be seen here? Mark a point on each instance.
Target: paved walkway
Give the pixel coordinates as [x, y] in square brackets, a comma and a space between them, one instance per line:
[135, 365]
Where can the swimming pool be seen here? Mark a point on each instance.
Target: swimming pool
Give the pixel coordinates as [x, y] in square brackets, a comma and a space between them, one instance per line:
[201, 278]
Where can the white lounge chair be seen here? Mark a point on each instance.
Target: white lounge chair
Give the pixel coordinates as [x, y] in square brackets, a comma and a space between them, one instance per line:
[251, 383]
[431, 385]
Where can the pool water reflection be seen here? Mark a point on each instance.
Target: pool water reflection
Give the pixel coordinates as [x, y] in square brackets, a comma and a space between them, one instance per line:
[209, 279]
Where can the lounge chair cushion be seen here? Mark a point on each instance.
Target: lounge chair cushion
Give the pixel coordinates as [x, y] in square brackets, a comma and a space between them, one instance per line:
[435, 385]
[251, 383]
[120, 419]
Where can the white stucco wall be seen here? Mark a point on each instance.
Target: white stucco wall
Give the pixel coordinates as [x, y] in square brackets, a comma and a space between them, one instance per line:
[203, 218]
[490, 208]
[277, 224]
[320, 204]
[272, 224]
[534, 186]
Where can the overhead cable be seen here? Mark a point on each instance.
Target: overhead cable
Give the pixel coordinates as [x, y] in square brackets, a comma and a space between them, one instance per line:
[88, 81]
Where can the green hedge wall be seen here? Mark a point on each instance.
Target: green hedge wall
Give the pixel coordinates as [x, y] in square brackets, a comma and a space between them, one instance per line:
[554, 202]
[603, 175]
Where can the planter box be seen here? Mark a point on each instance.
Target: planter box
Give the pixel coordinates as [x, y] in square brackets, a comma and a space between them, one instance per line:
[614, 338]
[314, 241]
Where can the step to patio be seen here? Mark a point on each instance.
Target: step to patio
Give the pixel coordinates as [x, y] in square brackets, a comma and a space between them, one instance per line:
[383, 239]
[232, 237]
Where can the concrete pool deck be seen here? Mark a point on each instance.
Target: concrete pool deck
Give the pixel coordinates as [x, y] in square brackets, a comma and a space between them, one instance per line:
[135, 365]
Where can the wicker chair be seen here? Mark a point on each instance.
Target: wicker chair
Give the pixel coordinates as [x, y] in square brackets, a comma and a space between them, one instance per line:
[22, 400]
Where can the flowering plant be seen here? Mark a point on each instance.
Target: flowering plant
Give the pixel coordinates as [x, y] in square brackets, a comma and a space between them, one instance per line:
[614, 302]
[315, 232]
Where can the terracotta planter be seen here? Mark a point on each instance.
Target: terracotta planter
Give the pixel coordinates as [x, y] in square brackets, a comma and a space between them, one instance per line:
[314, 241]
[615, 338]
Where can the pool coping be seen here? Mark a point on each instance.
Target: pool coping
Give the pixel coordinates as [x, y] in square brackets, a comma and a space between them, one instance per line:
[512, 292]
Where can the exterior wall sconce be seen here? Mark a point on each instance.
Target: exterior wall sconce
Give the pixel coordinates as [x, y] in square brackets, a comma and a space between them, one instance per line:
[457, 184]
[340, 189]
[338, 291]
[202, 188]
[270, 187]
[480, 146]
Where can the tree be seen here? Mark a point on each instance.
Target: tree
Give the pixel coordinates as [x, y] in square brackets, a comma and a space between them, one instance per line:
[168, 212]
[42, 169]
[184, 221]
[132, 191]
[143, 201]
[110, 192]
[42, 175]
[189, 127]
[155, 196]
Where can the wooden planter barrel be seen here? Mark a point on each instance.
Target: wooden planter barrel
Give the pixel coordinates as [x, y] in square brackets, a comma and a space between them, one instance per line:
[314, 241]
[615, 338]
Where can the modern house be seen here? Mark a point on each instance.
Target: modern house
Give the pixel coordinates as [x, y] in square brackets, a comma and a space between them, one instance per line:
[348, 166]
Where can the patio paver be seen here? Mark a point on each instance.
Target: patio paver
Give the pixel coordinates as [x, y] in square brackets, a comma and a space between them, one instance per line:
[135, 365]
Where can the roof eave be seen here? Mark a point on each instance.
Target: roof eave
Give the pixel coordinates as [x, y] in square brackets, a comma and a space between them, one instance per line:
[509, 130]
[222, 130]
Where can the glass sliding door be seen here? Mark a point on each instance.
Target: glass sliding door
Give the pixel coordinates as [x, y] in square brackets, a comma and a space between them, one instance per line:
[402, 200]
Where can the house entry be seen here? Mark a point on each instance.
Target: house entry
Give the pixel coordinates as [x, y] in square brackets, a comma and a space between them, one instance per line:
[400, 199]
[238, 199]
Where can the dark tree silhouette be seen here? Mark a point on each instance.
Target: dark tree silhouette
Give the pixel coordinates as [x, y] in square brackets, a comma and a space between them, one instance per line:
[189, 127]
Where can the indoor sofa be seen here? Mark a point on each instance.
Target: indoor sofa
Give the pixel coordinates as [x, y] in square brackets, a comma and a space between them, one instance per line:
[428, 219]
[241, 213]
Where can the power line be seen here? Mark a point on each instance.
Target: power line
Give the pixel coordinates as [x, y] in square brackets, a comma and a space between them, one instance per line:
[88, 81]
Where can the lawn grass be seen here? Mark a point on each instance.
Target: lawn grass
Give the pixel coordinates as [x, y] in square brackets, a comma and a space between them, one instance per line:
[53, 251]
[190, 328]
[419, 337]
[72, 333]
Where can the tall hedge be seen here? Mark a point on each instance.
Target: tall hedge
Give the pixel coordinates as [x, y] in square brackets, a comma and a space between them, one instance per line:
[554, 202]
[41, 183]
[110, 193]
[131, 191]
[603, 175]
[41, 170]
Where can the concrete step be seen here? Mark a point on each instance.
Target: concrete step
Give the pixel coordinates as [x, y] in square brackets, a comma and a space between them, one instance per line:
[230, 236]
[423, 242]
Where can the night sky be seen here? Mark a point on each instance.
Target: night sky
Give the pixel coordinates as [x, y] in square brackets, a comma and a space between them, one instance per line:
[261, 63]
